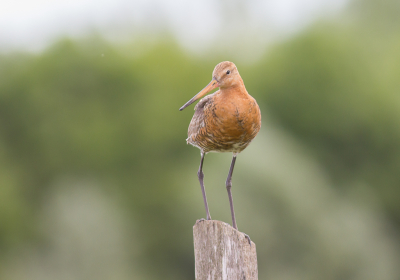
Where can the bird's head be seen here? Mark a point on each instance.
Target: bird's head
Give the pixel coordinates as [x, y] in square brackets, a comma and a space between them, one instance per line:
[225, 75]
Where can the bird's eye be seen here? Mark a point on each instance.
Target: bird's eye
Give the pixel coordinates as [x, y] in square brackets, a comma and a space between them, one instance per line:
[228, 72]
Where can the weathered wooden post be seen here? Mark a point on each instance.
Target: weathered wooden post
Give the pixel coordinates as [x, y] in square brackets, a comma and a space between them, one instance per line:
[222, 252]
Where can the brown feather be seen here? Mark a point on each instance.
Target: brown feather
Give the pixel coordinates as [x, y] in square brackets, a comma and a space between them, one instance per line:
[227, 120]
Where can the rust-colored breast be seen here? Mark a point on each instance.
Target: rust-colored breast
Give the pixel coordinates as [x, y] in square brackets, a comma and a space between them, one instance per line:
[224, 122]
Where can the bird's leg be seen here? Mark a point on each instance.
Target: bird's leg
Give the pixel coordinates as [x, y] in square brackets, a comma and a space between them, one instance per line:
[228, 188]
[201, 176]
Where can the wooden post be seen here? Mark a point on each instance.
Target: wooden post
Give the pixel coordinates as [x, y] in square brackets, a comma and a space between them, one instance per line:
[222, 252]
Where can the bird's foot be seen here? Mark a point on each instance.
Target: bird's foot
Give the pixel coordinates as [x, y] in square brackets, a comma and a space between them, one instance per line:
[248, 238]
[200, 220]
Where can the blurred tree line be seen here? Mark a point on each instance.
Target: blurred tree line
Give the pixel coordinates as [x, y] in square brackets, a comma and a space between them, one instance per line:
[90, 110]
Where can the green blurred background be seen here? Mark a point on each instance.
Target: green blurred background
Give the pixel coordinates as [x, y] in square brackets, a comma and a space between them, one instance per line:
[97, 181]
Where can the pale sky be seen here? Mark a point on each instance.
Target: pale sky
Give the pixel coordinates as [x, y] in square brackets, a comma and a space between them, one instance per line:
[33, 24]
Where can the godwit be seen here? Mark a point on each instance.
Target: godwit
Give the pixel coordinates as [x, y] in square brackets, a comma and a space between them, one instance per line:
[225, 121]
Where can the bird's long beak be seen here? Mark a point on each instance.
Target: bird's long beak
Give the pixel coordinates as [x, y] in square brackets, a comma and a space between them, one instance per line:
[212, 85]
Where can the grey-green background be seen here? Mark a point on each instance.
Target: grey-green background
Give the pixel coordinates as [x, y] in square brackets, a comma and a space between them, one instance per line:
[97, 181]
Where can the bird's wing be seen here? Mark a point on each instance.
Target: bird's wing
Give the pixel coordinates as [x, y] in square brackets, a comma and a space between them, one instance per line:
[203, 102]
[197, 124]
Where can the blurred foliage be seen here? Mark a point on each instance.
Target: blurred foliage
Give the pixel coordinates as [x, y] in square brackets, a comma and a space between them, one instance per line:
[327, 88]
[89, 110]
[78, 112]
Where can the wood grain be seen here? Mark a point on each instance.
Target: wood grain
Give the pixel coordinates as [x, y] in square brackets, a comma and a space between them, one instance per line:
[222, 252]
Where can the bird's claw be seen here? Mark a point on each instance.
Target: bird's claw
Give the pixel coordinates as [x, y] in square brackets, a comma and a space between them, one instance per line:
[248, 238]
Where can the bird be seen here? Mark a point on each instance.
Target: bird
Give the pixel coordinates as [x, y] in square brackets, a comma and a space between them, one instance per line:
[224, 121]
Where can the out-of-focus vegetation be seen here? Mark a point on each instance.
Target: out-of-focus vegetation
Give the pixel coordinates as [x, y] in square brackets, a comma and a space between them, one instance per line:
[97, 181]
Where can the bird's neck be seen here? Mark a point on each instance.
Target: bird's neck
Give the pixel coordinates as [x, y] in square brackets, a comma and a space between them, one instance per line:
[237, 88]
